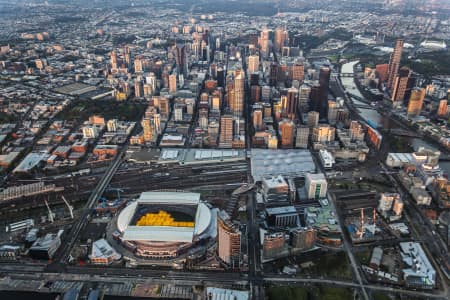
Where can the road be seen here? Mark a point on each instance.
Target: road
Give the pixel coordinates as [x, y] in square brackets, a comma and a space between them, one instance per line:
[64, 253]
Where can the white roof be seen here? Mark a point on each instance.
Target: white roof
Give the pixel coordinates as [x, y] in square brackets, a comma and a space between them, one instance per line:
[203, 218]
[169, 198]
[226, 294]
[102, 249]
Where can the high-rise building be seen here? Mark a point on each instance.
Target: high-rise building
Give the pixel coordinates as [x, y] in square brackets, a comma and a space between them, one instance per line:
[281, 36]
[332, 112]
[443, 108]
[400, 85]
[316, 98]
[237, 100]
[316, 186]
[301, 140]
[273, 74]
[394, 63]
[303, 238]
[297, 72]
[228, 240]
[303, 97]
[164, 107]
[226, 131]
[313, 119]
[253, 63]
[416, 102]
[255, 93]
[356, 131]
[323, 133]
[173, 83]
[273, 244]
[148, 129]
[181, 58]
[324, 82]
[114, 63]
[286, 129]
[257, 120]
[292, 103]
[264, 42]
[138, 89]
[382, 71]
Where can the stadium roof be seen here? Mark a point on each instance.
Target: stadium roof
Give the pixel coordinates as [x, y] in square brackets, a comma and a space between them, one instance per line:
[203, 217]
[169, 198]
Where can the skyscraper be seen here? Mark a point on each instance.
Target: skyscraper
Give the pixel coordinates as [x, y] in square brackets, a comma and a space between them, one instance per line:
[416, 102]
[237, 100]
[181, 58]
[292, 103]
[281, 37]
[257, 119]
[253, 63]
[228, 240]
[226, 131]
[173, 83]
[324, 82]
[301, 140]
[148, 129]
[400, 85]
[286, 129]
[394, 63]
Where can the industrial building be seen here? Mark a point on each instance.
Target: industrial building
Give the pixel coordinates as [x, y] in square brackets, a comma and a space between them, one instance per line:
[46, 246]
[102, 253]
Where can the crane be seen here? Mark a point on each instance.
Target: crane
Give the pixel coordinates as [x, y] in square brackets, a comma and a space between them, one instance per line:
[70, 207]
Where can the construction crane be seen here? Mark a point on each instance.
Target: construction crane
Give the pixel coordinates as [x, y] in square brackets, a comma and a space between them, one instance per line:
[50, 213]
[70, 207]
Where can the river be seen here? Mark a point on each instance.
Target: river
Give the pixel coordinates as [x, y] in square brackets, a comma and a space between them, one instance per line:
[380, 121]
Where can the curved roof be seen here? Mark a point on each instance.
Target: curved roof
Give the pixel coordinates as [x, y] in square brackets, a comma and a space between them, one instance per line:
[202, 221]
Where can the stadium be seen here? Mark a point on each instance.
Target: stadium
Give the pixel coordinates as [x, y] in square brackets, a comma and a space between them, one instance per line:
[165, 225]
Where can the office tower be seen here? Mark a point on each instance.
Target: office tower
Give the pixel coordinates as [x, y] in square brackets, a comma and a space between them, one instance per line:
[273, 244]
[151, 80]
[400, 85]
[255, 93]
[316, 186]
[416, 102]
[138, 89]
[228, 240]
[138, 67]
[443, 108]
[301, 140]
[382, 71]
[316, 97]
[181, 58]
[253, 63]
[254, 78]
[280, 36]
[332, 112]
[157, 123]
[172, 83]
[297, 72]
[220, 77]
[282, 73]
[146, 124]
[292, 103]
[313, 119]
[264, 42]
[266, 93]
[267, 110]
[324, 82]
[273, 74]
[114, 63]
[342, 116]
[237, 104]
[215, 102]
[303, 97]
[394, 63]
[323, 133]
[164, 107]
[226, 131]
[257, 119]
[286, 130]
[303, 238]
